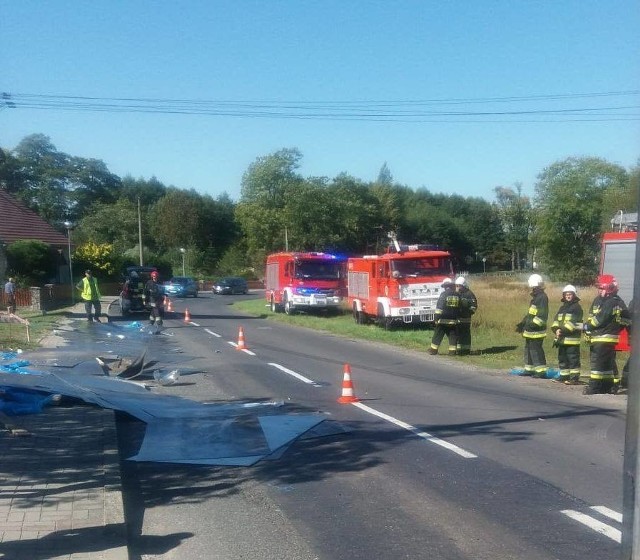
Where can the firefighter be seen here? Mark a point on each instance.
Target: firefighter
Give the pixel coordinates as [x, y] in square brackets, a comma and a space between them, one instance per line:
[447, 313]
[533, 328]
[608, 315]
[567, 329]
[468, 306]
[154, 299]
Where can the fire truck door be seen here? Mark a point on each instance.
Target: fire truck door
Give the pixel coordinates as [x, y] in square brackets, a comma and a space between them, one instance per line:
[382, 279]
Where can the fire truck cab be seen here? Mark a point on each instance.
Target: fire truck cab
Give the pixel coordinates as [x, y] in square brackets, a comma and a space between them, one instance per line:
[305, 281]
[401, 286]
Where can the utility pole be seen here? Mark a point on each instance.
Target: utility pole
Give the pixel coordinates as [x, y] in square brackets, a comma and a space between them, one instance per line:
[140, 233]
[631, 468]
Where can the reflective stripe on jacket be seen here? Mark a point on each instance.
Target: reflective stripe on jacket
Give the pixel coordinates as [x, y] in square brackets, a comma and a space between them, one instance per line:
[608, 315]
[535, 321]
[569, 321]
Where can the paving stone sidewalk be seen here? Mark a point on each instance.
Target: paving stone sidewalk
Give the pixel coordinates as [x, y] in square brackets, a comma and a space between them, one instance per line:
[60, 493]
[60, 490]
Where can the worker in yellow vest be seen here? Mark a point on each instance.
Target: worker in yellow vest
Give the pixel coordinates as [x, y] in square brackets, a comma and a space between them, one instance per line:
[90, 294]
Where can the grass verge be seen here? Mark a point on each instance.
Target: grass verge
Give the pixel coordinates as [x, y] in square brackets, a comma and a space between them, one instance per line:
[495, 344]
[13, 336]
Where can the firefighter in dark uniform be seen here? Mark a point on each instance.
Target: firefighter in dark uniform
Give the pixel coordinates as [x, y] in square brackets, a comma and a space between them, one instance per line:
[608, 315]
[468, 306]
[533, 328]
[567, 330]
[447, 314]
[154, 299]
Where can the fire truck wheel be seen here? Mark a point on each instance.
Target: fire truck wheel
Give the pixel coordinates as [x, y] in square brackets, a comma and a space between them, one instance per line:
[288, 307]
[359, 317]
[275, 308]
[383, 321]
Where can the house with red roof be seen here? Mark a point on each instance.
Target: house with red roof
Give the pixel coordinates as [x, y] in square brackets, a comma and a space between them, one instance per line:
[17, 222]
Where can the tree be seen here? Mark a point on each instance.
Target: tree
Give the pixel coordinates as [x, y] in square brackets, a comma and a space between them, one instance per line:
[98, 257]
[516, 217]
[569, 197]
[384, 176]
[11, 178]
[267, 185]
[32, 260]
[44, 170]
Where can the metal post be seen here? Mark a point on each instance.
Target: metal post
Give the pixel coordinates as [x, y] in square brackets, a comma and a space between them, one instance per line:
[631, 467]
[140, 232]
[69, 227]
[183, 251]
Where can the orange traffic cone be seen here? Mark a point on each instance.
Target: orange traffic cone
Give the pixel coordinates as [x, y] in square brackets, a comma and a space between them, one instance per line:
[169, 306]
[187, 315]
[348, 393]
[241, 345]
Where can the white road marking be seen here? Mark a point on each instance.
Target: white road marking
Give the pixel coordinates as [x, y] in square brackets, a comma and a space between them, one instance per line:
[194, 324]
[597, 526]
[603, 510]
[296, 375]
[235, 345]
[213, 333]
[416, 431]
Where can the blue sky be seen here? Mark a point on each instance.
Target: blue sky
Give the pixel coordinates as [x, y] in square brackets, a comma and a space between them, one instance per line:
[470, 58]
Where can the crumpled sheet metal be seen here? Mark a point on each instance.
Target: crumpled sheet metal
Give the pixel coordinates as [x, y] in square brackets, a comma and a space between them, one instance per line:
[242, 440]
[178, 430]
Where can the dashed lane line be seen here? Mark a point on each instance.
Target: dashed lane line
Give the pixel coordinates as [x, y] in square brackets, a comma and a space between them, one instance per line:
[245, 350]
[213, 333]
[598, 526]
[416, 431]
[296, 375]
[603, 510]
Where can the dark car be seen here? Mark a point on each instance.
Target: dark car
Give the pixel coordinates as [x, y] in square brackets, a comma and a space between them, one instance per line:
[181, 286]
[230, 285]
[132, 293]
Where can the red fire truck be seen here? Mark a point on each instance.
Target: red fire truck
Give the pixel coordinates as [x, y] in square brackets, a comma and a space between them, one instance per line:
[618, 258]
[305, 281]
[400, 286]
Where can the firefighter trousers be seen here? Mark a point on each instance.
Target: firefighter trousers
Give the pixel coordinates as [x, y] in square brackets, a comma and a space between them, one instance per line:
[535, 361]
[451, 330]
[603, 367]
[463, 344]
[569, 362]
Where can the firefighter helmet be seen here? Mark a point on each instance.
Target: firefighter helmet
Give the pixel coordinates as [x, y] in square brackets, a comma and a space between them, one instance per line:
[608, 283]
[461, 281]
[535, 281]
[447, 282]
[569, 288]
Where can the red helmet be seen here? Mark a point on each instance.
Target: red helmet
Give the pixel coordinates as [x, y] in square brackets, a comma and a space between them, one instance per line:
[608, 283]
[154, 274]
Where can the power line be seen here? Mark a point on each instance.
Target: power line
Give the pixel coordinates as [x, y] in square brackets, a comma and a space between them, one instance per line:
[418, 110]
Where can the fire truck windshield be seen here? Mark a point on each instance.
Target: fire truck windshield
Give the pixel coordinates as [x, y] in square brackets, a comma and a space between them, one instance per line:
[423, 266]
[318, 270]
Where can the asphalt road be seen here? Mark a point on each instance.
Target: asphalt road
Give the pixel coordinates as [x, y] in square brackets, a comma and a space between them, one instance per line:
[440, 461]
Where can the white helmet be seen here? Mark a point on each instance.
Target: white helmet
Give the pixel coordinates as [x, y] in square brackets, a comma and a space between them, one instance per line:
[461, 281]
[446, 282]
[570, 288]
[535, 281]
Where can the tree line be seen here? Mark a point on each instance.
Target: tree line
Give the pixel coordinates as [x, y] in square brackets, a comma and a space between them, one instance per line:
[559, 227]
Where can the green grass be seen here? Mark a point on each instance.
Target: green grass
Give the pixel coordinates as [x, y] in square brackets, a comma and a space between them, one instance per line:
[13, 336]
[495, 345]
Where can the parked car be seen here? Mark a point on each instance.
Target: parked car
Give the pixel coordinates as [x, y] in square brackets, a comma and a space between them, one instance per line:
[181, 286]
[132, 293]
[230, 285]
